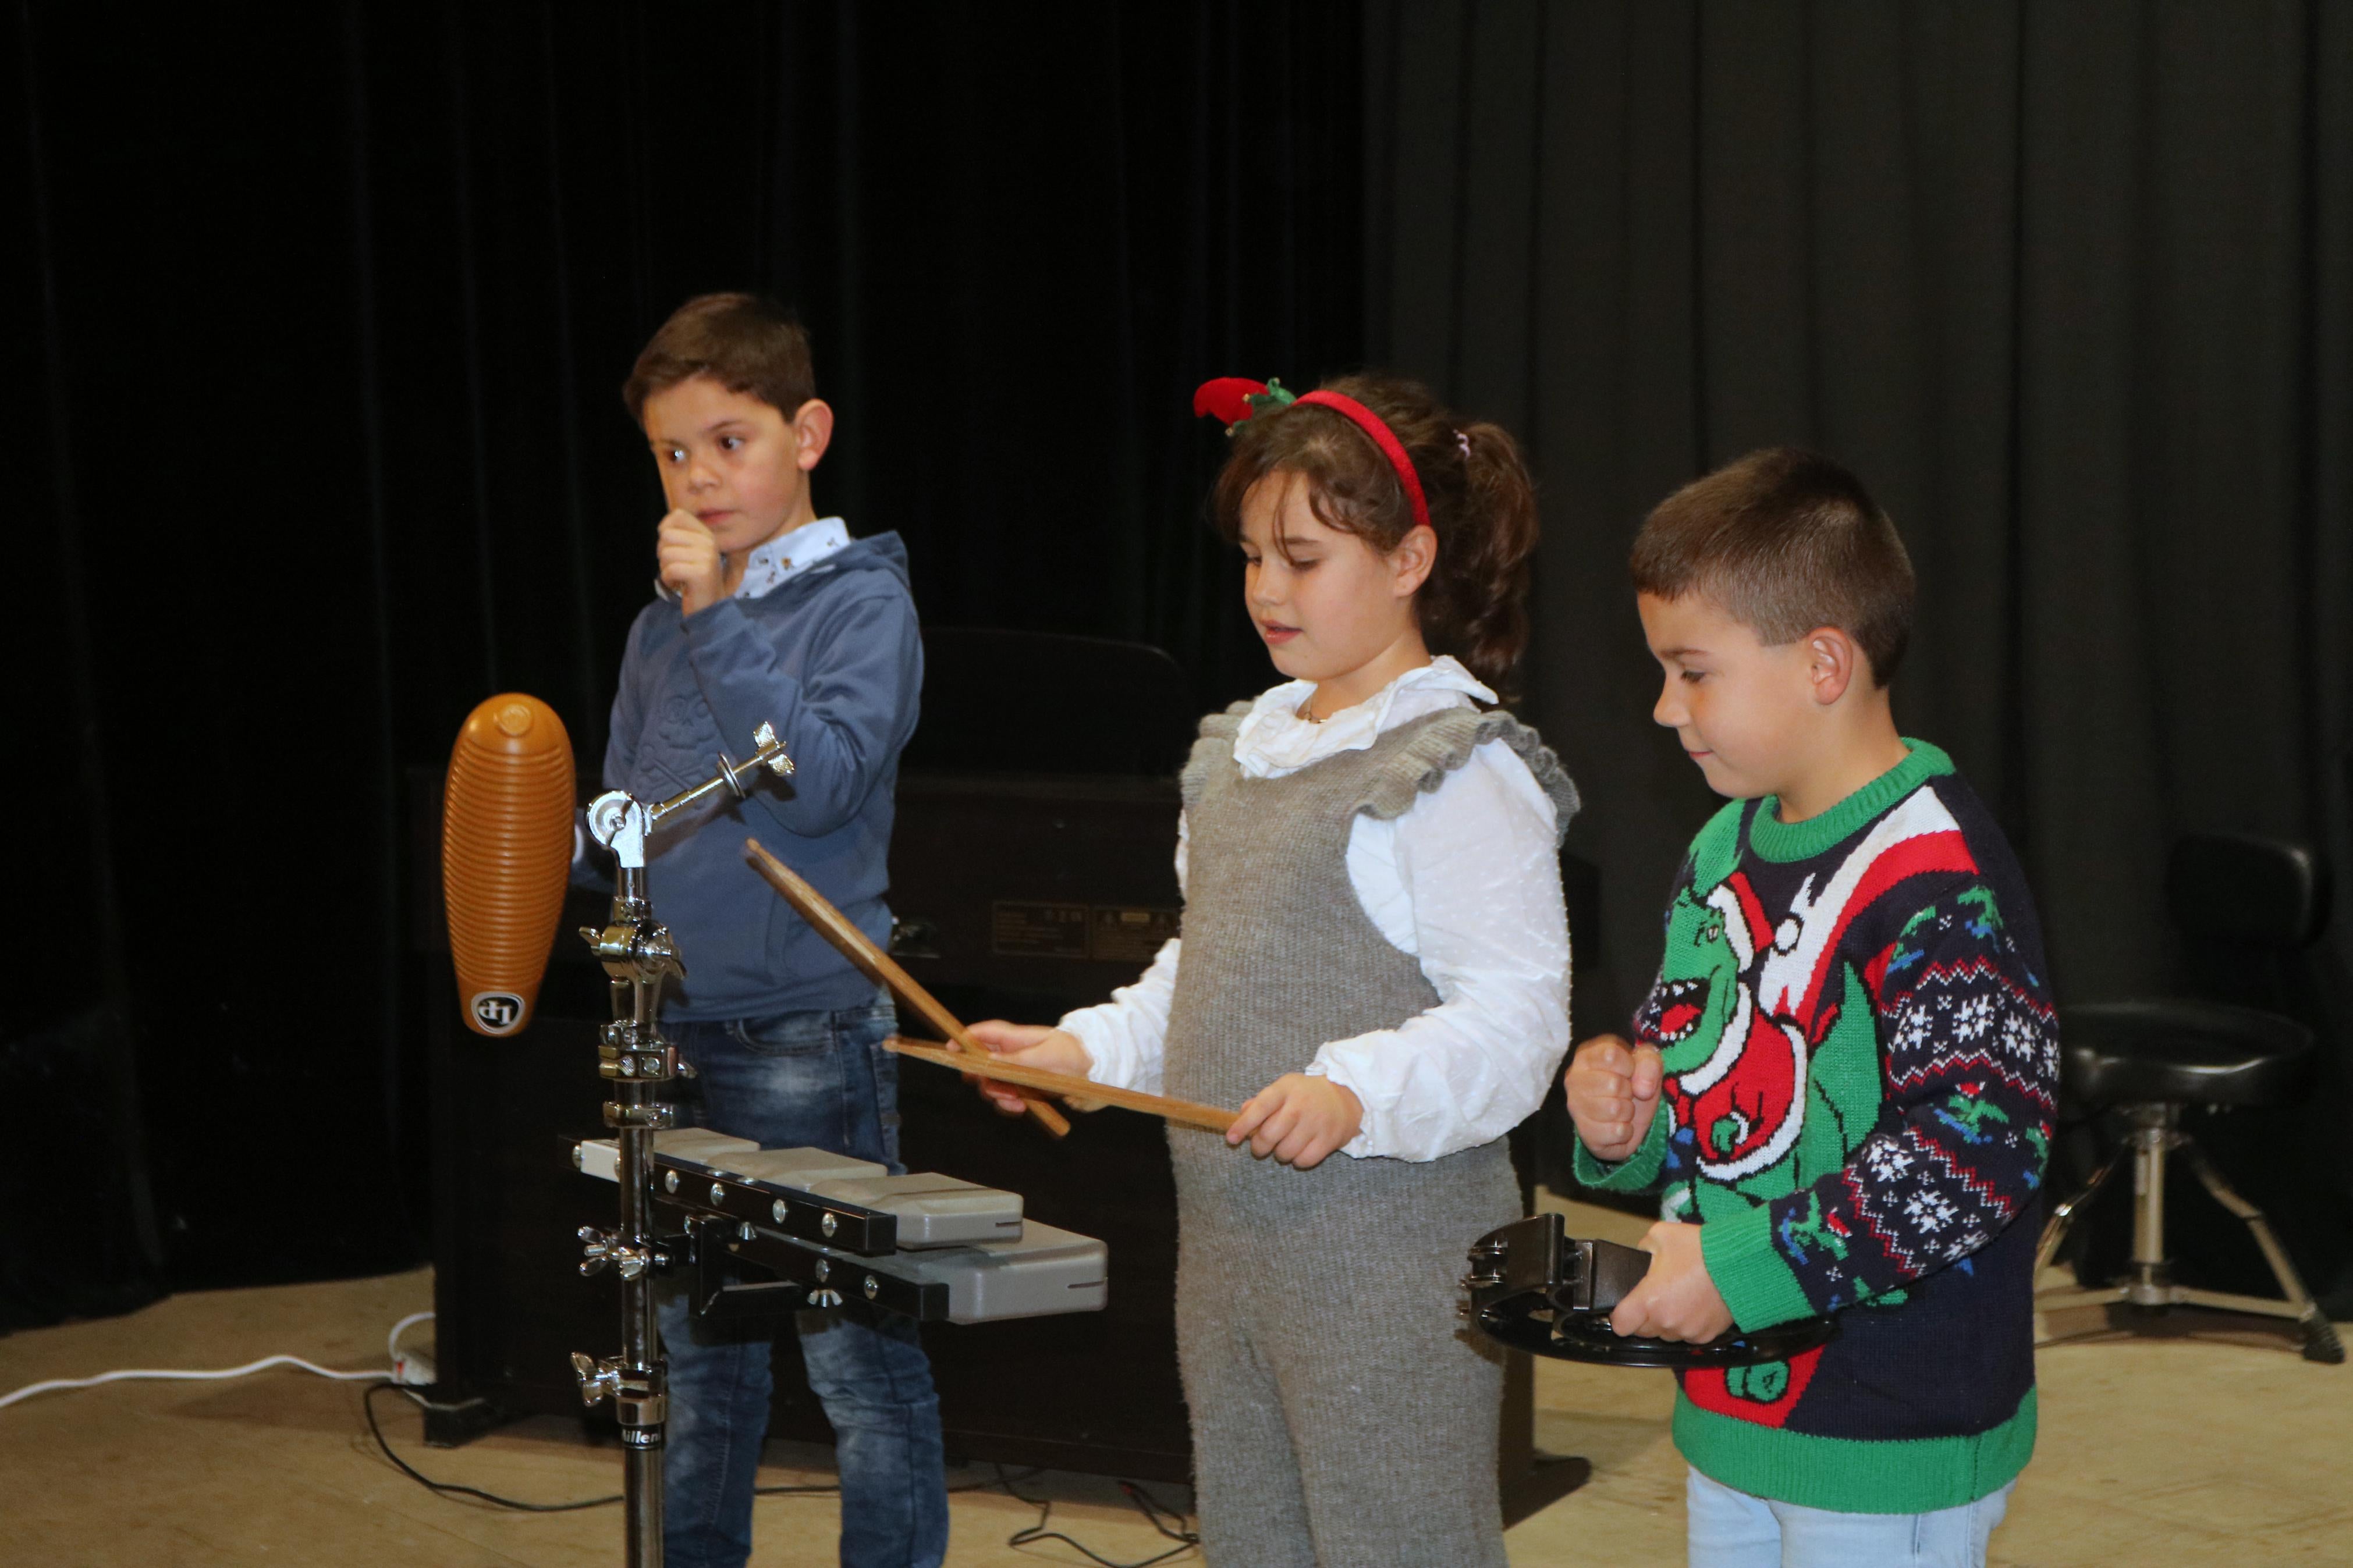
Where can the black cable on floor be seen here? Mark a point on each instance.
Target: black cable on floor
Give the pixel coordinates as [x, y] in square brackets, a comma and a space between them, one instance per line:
[1158, 1512]
[452, 1489]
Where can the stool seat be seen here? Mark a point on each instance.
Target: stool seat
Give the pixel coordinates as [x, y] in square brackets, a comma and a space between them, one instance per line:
[2183, 1051]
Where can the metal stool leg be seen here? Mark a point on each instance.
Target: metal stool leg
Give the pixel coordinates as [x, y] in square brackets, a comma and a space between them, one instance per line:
[2320, 1341]
[2062, 1216]
[2146, 1284]
[2054, 1233]
[2154, 1134]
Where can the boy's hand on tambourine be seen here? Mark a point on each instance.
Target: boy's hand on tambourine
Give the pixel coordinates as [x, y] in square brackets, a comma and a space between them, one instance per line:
[1299, 1118]
[1613, 1092]
[1031, 1045]
[687, 552]
[1676, 1300]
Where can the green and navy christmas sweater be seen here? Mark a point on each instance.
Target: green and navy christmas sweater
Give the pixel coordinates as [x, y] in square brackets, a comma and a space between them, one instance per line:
[1862, 1064]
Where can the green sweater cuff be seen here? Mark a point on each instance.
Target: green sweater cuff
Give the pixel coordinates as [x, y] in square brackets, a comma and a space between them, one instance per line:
[1638, 1172]
[1749, 1271]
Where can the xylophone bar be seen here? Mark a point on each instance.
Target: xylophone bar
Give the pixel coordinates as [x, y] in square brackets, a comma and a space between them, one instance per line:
[832, 1228]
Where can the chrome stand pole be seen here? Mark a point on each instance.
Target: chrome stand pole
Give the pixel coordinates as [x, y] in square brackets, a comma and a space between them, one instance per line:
[637, 1060]
[633, 1055]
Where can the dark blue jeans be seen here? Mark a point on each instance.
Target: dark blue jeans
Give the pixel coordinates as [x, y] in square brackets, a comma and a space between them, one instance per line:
[815, 1080]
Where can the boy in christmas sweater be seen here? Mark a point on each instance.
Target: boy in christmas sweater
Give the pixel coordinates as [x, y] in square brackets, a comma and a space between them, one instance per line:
[1843, 1078]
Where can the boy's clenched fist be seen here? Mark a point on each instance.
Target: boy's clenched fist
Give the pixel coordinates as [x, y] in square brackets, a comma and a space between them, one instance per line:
[1613, 1092]
[687, 555]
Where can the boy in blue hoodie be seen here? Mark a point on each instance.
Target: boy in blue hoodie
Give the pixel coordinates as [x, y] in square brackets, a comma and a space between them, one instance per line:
[769, 613]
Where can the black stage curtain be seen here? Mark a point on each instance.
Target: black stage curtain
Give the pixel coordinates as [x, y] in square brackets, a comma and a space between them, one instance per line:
[333, 306]
[2072, 287]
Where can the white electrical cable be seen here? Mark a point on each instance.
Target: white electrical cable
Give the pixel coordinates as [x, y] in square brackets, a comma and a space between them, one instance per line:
[55, 1385]
[392, 1340]
[409, 1368]
[266, 1362]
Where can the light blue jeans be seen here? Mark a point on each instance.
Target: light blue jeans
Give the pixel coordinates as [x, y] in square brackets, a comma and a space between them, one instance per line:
[1728, 1528]
[819, 1080]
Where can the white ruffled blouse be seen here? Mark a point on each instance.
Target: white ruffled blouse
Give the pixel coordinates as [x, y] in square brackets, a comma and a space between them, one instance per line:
[1467, 881]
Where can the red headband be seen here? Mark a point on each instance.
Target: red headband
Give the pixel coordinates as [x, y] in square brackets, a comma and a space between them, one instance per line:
[1235, 399]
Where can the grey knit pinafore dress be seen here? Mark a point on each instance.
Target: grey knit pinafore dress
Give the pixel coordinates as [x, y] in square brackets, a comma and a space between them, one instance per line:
[1342, 1416]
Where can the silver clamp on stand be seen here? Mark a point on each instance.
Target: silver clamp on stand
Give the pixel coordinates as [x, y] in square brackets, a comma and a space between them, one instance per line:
[635, 1057]
[639, 1397]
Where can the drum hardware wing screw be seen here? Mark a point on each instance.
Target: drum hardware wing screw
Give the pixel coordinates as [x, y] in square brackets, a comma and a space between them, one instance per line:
[604, 1250]
[598, 1380]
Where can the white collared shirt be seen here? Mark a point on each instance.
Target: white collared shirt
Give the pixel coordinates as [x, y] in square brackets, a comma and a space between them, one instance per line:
[771, 565]
[1467, 881]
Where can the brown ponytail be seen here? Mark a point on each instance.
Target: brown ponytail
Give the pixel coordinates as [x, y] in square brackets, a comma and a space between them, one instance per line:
[1482, 507]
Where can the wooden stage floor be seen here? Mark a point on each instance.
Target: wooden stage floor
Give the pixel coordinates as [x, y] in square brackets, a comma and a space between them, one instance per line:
[2226, 1450]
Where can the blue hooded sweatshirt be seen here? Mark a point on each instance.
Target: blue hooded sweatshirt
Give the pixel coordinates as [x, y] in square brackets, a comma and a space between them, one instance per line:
[832, 658]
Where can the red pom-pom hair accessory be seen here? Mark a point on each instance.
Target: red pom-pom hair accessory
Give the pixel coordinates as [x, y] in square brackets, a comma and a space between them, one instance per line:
[1233, 399]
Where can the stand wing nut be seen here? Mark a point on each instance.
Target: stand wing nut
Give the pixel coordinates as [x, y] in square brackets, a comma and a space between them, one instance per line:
[771, 752]
[598, 1381]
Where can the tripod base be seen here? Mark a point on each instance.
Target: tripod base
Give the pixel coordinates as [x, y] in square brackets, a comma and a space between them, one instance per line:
[2147, 1283]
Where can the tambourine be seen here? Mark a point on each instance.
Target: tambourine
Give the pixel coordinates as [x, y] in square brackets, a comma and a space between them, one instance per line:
[1537, 1289]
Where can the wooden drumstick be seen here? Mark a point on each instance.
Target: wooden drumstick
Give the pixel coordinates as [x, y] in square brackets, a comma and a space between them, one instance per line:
[990, 1066]
[880, 966]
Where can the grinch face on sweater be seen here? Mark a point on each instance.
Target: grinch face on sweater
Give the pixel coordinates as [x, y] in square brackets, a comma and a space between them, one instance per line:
[1698, 991]
[1736, 1073]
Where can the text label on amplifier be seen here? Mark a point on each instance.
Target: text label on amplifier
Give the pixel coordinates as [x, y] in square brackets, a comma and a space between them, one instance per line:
[1108, 933]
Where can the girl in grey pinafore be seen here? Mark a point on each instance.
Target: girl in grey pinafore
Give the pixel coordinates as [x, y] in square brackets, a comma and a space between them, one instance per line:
[1342, 1416]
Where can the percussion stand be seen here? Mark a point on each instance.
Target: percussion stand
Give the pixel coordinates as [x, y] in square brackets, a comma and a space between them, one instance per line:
[637, 1059]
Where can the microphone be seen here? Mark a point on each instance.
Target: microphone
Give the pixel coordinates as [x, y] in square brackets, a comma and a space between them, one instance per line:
[506, 856]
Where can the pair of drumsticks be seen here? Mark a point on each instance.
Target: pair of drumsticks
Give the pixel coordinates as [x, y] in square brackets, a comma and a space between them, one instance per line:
[964, 1053]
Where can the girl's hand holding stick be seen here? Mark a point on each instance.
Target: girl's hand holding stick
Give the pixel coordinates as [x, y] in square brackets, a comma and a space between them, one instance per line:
[1299, 1118]
[1032, 1045]
[1029, 1056]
